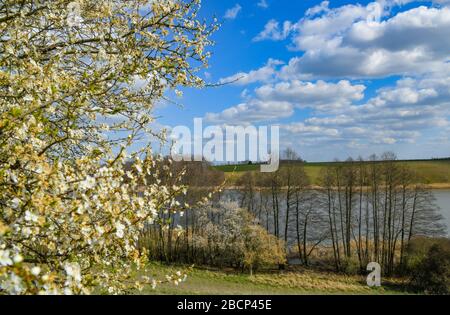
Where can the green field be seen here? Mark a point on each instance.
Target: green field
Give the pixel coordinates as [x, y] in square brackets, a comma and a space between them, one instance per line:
[299, 282]
[430, 172]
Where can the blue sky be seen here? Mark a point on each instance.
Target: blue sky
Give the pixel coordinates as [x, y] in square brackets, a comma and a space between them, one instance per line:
[340, 78]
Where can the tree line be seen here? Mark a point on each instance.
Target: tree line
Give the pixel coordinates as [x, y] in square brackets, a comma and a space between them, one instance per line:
[362, 211]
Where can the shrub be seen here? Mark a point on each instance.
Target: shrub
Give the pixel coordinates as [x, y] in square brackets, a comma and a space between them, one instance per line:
[350, 266]
[417, 251]
[261, 249]
[224, 235]
[430, 273]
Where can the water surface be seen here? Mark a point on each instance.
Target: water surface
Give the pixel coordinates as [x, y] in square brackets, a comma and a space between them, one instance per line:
[443, 201]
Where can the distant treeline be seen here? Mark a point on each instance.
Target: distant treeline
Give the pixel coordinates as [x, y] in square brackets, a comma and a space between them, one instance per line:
[367, 161]
[301, 161]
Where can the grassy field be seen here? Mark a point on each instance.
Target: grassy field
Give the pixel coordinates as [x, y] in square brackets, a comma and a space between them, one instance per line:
[301, 282]
[431, 172]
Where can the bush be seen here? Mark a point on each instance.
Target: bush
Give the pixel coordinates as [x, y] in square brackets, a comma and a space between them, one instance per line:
[417, 251]
[430, 272]
[261, 249]
[220, 235]
[350, 266]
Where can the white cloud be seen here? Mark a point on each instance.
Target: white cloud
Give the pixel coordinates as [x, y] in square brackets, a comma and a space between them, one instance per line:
[341, 120]
[319, 95]
[400, 114]
[407, 95]
[264, 74]
[350, 42]
[245, 94]
[232, 13]
[322, 7]
[353, 41]
[252, 112]
[277, 101]
[414, 111]
[305, 130]
[263, 4]
[273, 31]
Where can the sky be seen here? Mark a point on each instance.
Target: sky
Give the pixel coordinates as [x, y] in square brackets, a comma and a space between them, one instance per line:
[340, 78]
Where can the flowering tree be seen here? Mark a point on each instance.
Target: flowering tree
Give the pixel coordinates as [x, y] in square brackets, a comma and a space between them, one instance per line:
[78, 82]
[231, 236]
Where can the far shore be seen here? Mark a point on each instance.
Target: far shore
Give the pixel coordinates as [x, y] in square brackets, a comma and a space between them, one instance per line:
[438, 186]
[434, 186]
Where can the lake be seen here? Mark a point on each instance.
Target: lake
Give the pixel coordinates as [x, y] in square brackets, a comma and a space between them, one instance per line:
[443, 200]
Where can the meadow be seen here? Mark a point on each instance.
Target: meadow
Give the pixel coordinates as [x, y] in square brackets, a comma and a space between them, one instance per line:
[435, 173]
[292, 282]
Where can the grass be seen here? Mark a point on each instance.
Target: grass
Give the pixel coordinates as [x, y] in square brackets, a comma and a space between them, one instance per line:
[238, 168]
[301, 282]
[431, 172]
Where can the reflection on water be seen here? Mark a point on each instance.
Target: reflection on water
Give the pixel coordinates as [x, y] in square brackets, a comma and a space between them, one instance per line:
[443, 200]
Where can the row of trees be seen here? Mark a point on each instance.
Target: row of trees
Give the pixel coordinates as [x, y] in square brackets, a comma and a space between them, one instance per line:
[362, 210]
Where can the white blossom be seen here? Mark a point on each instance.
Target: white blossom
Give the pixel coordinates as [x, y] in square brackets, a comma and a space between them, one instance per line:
[30, 216]
[73, 271]
[5, 259]
[88, 183]
[120, 230]
[35, 271]
[17, 258]
[13, 284]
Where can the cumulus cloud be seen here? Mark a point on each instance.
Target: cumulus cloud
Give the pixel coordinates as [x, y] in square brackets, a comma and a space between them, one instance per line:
[277, 101]
[322, 7]
[353, 41]
[273, 31]
[264, 74]
[320, 95]
[399, 114]
[252, 111]
[305, 130]
[338, 45]
[233, 12]
[406, 95]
